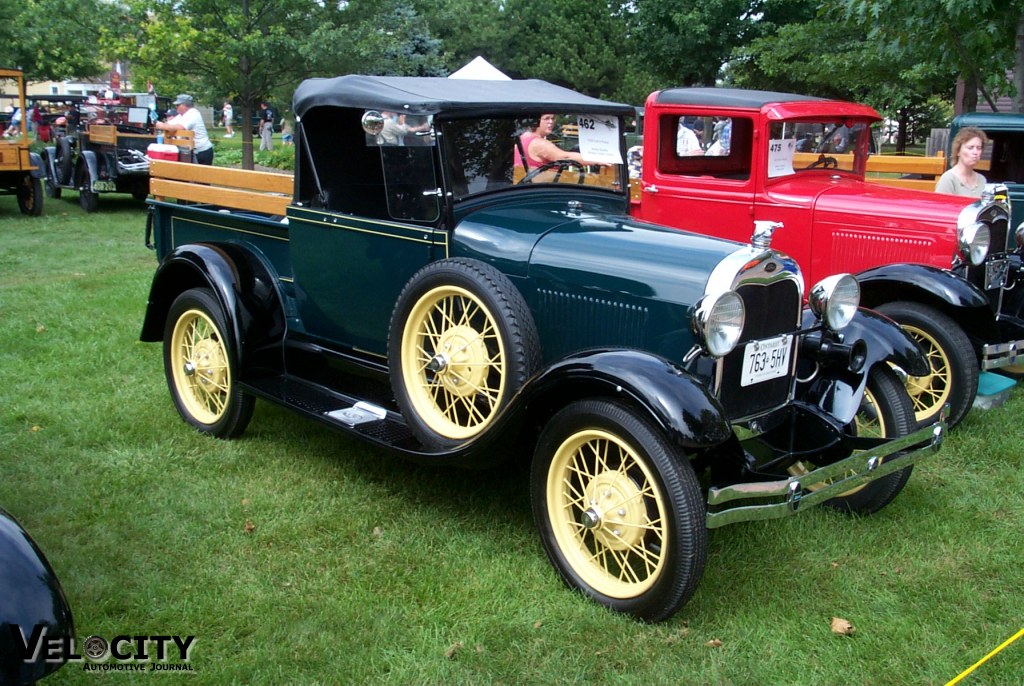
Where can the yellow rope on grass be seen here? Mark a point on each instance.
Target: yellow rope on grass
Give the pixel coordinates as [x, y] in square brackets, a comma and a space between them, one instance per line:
[985, 659]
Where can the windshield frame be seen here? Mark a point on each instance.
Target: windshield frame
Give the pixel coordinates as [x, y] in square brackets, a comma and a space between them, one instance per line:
[824, 153]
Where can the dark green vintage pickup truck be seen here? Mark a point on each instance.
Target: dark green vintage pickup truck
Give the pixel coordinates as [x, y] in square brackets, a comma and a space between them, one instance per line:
[429, 297]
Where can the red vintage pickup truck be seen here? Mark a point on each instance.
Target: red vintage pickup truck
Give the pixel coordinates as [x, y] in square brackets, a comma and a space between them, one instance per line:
[943, 266]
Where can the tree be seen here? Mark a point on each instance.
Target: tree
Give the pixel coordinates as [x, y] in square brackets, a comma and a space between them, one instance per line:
[686, 44]
[978, 39]
[58, 39]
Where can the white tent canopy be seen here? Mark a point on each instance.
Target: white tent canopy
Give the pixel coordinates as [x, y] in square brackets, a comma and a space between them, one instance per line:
[481, 70]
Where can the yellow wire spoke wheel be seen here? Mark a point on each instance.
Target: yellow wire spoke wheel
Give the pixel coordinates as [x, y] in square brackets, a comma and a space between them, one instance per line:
[608, 515]
[886, 411]
[932, 391]
[869, 423]
[453, 361]
[199, 365]
[200, 368]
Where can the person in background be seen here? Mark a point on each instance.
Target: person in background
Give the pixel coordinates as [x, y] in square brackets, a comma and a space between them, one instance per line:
[267, 116]
[14, 129]
[961, 179]
[229, 114]
[538, 149]
[687, 143]
[189, 119]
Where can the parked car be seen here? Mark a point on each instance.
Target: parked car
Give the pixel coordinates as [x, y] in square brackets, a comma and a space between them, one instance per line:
[100, 146]
[945, 267]
[33, 605]
[430, 299]
[21, 170]
[1004, 156]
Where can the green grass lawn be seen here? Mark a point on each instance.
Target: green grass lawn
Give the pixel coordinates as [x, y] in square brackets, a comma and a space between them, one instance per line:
[296, 555]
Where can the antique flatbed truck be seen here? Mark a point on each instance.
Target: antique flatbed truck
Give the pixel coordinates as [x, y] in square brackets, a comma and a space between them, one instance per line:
[429, 299]
[944, 267]
[21, 170]
[101, 147]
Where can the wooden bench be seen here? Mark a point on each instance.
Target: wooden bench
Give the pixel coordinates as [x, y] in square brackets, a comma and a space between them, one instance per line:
[240, 189]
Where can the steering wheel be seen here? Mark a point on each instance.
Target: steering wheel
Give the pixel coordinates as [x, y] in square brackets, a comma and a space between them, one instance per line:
[561, 165]
[824, 162]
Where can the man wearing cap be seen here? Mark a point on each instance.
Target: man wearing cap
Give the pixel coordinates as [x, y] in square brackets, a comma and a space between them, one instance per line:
[189, 119]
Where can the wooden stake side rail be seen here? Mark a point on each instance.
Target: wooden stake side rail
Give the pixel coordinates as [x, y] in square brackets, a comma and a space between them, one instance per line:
[239, 189]
[929, 167]
[108, 133]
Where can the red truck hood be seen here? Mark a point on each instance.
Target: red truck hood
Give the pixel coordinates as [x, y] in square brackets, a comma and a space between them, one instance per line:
[869, 224]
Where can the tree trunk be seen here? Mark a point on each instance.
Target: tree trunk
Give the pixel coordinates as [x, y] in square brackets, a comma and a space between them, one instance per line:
[970, 97]
[248, 158]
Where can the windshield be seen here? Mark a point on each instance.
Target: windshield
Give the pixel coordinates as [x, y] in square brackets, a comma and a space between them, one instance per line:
[492, 153]
[799, 145]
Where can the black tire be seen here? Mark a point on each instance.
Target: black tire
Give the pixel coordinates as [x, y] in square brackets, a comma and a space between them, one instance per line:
[954, 366]
[30, 196]
[52, 190]
[201, 366]
[461, 343]
[64, 160]
[88, 200]
[886, 411]
[619, 511]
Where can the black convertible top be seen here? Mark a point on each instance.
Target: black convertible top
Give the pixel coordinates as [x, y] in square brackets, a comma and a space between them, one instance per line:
[727, 97]
[456, 97]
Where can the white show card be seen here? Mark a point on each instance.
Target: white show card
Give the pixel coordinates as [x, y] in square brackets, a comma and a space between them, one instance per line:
[599, 138]
[780, 156]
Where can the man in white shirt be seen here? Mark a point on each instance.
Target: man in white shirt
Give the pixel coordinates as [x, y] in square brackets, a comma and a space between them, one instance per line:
[189, 119]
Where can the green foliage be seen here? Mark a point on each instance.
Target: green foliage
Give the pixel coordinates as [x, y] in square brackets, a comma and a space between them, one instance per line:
[58, 39]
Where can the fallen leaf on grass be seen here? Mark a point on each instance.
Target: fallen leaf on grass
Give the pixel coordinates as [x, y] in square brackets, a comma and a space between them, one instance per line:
[842, 627]
[714, 643]
[249, 526]
[538, 624]
[41, 328]
[245, 502]
[36, 428]
[378, 532]
[453, 649]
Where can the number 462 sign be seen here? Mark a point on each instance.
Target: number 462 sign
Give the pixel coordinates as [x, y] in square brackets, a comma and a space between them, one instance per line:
[599, 138]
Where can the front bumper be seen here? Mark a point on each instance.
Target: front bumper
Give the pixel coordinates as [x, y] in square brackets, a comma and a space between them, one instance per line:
[726, 504]
[998, 355]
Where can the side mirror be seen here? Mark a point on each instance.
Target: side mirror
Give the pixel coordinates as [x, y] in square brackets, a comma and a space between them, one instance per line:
[373, 122]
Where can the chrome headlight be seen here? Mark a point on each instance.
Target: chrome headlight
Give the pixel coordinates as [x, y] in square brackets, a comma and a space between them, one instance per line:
[1018, 236]
[835, 299]
[973, 240]
[718, 322]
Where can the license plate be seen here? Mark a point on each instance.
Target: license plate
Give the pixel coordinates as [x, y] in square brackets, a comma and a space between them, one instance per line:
[765, 359]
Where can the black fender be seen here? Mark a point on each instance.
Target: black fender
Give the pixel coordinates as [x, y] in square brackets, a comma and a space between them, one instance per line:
[36, 160]
[87, 161]
[838, 390]
[918, 282]
[246, 288]
[679, 404]
[49, 163]
[34, 603]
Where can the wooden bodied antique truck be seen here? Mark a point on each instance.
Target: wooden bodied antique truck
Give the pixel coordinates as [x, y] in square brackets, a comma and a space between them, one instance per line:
[430, 299]
[945, 267]
[21, 170]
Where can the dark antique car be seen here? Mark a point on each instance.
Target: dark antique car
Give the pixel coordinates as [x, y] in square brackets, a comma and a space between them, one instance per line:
[33, 608]
[21, 170]
[435, 301]
[100, 146]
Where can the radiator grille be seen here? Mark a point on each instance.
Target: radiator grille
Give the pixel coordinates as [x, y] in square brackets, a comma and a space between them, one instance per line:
[771, 309]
